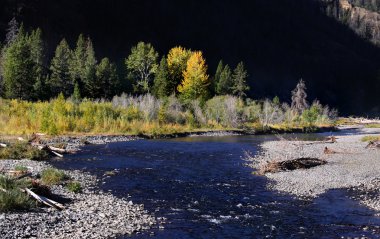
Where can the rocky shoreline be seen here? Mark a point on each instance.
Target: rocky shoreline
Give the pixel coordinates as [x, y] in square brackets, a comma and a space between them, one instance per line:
[349, 166]
[89, 214]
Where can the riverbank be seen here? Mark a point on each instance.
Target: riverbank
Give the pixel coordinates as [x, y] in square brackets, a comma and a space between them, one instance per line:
[349, 166]
[88, 214]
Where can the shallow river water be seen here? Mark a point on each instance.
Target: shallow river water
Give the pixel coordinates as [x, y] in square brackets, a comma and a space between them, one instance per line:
[204, 190]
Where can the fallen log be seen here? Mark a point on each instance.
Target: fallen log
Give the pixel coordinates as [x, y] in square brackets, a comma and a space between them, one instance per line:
[44, 200]
[62, 151]
[373, 145]
[47, 148]
[289, 165]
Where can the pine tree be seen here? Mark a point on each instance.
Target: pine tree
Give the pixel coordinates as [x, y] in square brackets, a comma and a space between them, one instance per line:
[177, 63]
[299, 102]
[239, 79]
[60, 79]
[76, 96]
[37, 55]
[195, 79]
[78, 60]
[216, 78]
[17, 68]
[161, 86]
[224, 86]
[89, 77]
[107, 79]
[12, 31]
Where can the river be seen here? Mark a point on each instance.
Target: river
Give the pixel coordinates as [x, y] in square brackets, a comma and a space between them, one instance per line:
[203, 188]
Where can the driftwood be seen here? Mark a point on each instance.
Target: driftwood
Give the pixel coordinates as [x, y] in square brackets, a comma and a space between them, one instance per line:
[289, 165]
[373, 145]
[44, 200]
[329, 151]
[48, 148]
[331, 139]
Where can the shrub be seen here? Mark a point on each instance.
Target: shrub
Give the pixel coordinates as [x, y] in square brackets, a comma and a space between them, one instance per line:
[52, 176]
[12, 198]
[37, 155]
[370, 138]
[74, 187]
[14, 151]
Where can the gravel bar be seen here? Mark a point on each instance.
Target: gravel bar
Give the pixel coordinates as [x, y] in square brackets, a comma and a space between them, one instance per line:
[89, 214]
[350, 167]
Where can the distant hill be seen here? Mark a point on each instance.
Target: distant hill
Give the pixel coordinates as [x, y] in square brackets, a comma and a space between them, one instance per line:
[279, 40]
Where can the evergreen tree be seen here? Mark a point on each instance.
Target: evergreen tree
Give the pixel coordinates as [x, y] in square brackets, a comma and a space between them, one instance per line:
[161, 86]
[78, 61]
[239, 79]
[299, 102]
[216, 78]
[195, 79]
[224, 86]
[12, 31]
[37, 55]
[142, 65]
[17, 68]
[177, 63]
[60, 79]
[76, 96]
[41, 89]
[107, 79]
[89, 76]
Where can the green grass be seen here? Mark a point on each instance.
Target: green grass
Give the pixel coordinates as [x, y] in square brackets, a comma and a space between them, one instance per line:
[13, 198]
[21, 168]
[372, 125]
[52, 176]
[21, 150]
[370, 138]
[74, 187]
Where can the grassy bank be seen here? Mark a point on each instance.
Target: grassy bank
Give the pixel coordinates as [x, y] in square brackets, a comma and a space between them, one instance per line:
[146, 115]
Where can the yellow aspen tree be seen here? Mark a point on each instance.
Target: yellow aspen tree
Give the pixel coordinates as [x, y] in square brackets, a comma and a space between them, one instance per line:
[177, 60]
[195, 79]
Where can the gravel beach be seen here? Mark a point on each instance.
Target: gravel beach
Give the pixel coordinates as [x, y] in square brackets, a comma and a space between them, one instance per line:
[89, 214]
[351, 166]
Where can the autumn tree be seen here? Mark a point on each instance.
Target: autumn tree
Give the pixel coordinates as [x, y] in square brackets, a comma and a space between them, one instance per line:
[161, 86]
[60, 79]
[239, 79]
[142, 65]
[195, 79]
[177, 63]
[299, 102]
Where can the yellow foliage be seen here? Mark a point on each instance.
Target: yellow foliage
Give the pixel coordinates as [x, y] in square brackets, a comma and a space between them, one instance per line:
[195, 78]
[177, 59]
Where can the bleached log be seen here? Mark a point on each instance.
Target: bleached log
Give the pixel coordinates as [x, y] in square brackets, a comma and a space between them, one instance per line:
[44, 200]
[62, 151]
[57, 154]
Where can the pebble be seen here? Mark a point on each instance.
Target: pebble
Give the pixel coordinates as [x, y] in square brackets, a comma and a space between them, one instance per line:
[89, 214]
